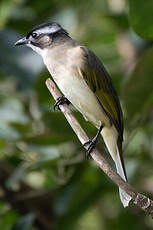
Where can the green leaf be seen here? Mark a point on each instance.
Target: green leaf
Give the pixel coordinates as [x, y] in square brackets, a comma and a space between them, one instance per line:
[8, 217]
[137, 91]
[141, 17]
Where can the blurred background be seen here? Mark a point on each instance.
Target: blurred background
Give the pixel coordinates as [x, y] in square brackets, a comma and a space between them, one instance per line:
[46, 182]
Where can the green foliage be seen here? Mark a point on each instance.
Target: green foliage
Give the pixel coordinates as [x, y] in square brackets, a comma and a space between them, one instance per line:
[141, 18]
[45, 180]
[137, 91]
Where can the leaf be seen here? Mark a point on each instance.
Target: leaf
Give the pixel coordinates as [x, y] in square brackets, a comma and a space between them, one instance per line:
[137, 91]
[8, 217]
[141, 17]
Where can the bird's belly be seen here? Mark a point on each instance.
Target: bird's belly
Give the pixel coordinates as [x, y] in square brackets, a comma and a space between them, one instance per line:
[79, 94]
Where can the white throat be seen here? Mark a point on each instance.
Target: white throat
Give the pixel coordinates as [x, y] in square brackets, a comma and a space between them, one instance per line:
[37, 49]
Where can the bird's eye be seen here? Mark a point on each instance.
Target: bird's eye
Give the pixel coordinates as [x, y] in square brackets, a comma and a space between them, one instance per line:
[34, 35]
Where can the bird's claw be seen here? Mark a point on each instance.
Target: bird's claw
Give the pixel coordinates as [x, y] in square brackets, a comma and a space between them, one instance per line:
[92, 143]
[60, 101]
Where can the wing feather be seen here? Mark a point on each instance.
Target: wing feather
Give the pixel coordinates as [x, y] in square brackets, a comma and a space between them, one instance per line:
[99, 81]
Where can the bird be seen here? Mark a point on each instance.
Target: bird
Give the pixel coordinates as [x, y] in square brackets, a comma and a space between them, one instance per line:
[85, 83]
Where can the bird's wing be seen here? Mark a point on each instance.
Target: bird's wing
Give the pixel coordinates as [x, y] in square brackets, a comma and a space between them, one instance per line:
[99, 81]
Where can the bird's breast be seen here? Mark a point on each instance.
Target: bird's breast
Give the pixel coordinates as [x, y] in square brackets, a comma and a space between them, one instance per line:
[75, 89]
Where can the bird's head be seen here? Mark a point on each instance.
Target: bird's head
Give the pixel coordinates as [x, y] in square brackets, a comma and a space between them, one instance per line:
[42, 36]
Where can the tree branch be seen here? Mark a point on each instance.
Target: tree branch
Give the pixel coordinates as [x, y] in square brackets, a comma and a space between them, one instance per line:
[142, 201]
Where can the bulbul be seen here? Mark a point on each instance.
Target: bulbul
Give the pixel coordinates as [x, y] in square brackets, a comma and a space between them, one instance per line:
[84, 82]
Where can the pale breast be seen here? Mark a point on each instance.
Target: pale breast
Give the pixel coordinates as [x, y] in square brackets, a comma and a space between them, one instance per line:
[66, 75]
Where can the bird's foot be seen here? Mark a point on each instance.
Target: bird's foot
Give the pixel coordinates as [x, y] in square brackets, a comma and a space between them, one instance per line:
[60, 101]
[92, 143]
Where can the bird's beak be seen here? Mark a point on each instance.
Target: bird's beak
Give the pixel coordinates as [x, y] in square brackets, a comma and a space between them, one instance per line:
[22, 41]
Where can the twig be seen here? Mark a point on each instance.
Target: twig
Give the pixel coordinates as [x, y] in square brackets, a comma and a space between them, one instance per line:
[142, 201]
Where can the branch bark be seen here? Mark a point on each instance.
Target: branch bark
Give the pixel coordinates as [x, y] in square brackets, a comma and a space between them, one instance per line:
[142, 201]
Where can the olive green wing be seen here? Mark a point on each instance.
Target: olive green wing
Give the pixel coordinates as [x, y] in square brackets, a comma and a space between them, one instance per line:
[99, 81]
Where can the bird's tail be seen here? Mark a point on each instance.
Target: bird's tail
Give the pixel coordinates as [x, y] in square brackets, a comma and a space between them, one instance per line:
[125, 198]
[110, 137]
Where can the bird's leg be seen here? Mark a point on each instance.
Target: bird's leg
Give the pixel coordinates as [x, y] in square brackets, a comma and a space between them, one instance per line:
[92, 143]
[60, 101]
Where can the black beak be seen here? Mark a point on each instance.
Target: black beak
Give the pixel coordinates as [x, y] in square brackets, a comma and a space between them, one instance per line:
[22, 41]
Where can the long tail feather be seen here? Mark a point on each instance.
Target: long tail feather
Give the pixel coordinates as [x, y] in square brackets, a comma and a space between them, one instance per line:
[110, 137]
[125, 198]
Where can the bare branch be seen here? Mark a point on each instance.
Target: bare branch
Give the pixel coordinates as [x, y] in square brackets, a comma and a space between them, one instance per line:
[142, 201]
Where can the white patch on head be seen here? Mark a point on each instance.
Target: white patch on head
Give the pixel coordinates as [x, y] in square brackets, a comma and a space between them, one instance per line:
[37, 49]
[48, 29]
[45, 30]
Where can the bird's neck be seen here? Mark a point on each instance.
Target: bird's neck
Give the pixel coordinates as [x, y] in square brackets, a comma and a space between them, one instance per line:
[60, 40]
